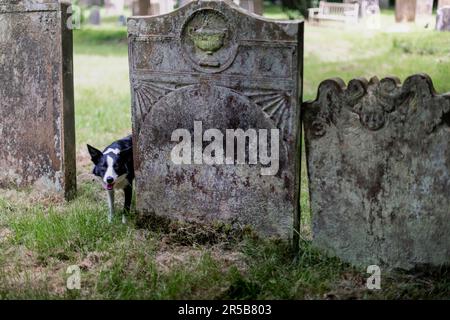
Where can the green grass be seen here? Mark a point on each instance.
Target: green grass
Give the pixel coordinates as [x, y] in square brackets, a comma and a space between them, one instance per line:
[40, 237]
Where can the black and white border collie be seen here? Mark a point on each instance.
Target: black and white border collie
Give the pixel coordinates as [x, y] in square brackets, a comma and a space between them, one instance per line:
[114, 166]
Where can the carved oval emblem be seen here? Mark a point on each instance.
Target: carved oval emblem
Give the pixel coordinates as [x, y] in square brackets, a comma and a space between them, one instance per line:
[209, 41]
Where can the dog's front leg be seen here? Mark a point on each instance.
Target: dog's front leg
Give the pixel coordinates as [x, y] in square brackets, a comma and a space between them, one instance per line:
[128, 196]
[111, 205]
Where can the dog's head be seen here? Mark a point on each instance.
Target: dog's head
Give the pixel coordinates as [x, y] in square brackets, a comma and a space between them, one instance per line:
[110, 166]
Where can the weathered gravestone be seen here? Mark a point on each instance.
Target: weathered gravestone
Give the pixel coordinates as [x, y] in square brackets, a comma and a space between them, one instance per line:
[210, 65]
[378, 157]
[94, 16]
[443, 3]
[443, 19]
[405, 10]
[367, 8]
[140, 7]
[420, 11]
[384, 4]
[424, 12]
[36, 96]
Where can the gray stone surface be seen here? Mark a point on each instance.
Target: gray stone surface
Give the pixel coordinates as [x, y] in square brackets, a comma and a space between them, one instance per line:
[378, 158]
[443, 3]
[94, 16]
[36, 97]
[252, 79]
[384, 4]
[443, 19]
[424, 12]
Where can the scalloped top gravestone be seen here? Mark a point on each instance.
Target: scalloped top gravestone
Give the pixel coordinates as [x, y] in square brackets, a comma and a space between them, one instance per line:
[210, 65]
[378, 157]
[36, 96]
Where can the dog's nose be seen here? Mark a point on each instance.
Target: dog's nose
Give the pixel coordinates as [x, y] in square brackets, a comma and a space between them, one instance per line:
[109, 180]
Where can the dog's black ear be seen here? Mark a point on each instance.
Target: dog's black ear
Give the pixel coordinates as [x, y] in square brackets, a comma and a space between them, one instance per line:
[96, 154]
[126, 154]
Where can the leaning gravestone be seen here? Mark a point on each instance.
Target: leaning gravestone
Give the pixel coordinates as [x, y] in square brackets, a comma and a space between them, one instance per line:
[443, 19]
[206, 66]
[36, 96]
[378, 157]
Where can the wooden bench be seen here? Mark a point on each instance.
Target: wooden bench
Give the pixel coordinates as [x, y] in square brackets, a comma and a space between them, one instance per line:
[347, 12]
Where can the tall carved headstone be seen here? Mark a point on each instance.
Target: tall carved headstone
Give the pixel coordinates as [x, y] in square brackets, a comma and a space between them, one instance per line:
[443, 19]
[207, 66]
[378, 157]
[36, 96]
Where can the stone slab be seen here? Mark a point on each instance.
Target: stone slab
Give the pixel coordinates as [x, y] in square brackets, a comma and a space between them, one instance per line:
[251, 78]
[378, 158]
[36, 97]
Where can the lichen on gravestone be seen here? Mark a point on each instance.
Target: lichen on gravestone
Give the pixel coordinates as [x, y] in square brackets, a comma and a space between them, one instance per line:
[378, 159]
